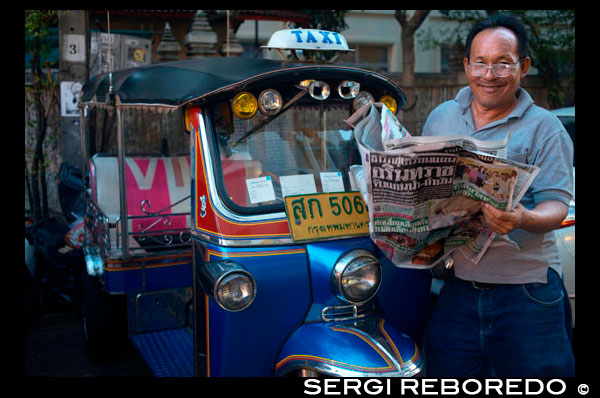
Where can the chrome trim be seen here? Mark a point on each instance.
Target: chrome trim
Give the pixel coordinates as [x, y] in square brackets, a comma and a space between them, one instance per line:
[83, 138]
[261, 106]
[329, 370]
[325, 90]
[342, 263]
[93, 261]
[212, 274]
[122, 182]
[347, 312]
[353, 89]
[357, 100]
[308, 373]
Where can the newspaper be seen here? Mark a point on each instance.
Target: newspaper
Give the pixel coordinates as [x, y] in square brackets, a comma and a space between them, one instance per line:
[424, 194]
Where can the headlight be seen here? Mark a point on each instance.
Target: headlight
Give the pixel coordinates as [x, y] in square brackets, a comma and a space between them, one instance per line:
[306, 83]
[362, 99]
[244, 105]
[235, 292]
[270, 102]
[232, 287]
[356, 276]
[390, 102]
[319, 90]
[348, 89]
[187, 119]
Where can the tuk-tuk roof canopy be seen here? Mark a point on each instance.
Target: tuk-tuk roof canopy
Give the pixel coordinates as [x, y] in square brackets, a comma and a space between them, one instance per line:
[175, 83]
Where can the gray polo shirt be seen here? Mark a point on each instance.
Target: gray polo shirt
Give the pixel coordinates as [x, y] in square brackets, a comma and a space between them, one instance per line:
[539, 138]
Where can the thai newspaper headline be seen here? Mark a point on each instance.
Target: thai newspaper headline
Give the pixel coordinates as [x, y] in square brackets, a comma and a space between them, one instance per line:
[424, 193]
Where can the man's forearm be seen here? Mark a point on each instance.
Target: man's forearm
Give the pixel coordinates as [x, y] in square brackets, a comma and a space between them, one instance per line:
[544, 217]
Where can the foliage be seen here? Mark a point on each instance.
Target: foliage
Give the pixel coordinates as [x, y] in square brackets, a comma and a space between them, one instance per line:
[332, 20]
[39, 25]
[42, 94]
[551, 36]
[450, 34]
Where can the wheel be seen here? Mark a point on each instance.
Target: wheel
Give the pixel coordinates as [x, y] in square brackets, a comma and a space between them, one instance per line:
[104, 319]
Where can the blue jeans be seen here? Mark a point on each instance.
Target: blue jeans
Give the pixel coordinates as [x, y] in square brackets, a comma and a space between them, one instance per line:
[507, 331]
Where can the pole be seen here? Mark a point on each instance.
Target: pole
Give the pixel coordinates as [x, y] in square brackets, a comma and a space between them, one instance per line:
[73, 72]
[122, 183]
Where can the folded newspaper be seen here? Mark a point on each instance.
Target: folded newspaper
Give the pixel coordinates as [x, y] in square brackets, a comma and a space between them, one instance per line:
[424, 194]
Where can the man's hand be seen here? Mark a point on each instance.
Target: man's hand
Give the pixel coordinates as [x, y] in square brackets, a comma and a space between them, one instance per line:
[545, 217]
[502, 222]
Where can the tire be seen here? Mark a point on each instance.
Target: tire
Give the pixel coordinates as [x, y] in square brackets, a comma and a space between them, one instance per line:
[104, 319]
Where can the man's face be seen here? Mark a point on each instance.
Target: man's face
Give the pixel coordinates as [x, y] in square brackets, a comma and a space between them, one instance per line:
[494, 46]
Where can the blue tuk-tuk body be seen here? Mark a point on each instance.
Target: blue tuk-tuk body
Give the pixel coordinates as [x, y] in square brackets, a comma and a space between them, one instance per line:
[216, 283]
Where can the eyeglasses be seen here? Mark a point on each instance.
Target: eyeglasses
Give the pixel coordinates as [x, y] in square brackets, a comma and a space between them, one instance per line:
[500, 70]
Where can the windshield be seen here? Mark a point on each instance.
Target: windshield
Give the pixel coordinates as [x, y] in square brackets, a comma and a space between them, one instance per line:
[306, 149]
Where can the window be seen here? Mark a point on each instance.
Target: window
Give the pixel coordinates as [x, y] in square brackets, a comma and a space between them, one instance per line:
[365, 56]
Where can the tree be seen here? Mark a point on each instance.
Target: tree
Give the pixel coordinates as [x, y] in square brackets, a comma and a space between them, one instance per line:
[37, 24]
[409, 27]
[333, 20]
[551, 35]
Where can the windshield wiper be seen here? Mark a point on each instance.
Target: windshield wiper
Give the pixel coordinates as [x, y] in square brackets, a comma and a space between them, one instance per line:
[268, 120]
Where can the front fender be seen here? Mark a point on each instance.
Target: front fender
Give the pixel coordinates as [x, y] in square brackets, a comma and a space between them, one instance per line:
[368, 347]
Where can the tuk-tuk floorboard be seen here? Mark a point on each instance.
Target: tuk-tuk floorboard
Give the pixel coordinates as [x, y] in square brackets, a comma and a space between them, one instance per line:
[55, 347]
[169, 353]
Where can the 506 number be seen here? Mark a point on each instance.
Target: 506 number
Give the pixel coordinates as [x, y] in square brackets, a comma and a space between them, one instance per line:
[347, 206]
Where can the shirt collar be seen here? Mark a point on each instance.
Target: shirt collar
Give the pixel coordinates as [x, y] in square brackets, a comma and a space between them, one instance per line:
[524, 101]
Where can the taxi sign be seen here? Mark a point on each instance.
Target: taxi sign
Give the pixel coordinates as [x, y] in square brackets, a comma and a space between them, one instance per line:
[326, 215]
[307, 39]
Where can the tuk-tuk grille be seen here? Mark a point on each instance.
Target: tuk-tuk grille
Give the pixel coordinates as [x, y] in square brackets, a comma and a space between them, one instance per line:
[345, 312]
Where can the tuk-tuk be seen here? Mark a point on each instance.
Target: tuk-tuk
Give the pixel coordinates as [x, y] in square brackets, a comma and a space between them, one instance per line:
[249, 255]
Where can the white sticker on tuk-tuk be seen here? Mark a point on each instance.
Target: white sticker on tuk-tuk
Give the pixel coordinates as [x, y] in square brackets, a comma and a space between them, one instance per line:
[298, 184]
[260, 189]
[332, 181]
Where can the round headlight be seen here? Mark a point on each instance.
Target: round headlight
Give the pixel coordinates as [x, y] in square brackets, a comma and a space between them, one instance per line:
[390, 102]
[348, 89]
[356, 276]
[319, 90]
[244, 105]
[306, 83]
[235, 291]
[362, 99]
[270, 102]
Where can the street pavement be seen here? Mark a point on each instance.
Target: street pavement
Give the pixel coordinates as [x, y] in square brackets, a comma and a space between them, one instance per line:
[55, 347]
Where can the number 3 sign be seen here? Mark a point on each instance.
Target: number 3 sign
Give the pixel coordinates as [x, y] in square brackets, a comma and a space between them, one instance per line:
[74, 48]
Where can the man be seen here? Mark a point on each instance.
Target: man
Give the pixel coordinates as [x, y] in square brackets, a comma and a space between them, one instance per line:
[505, 316]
